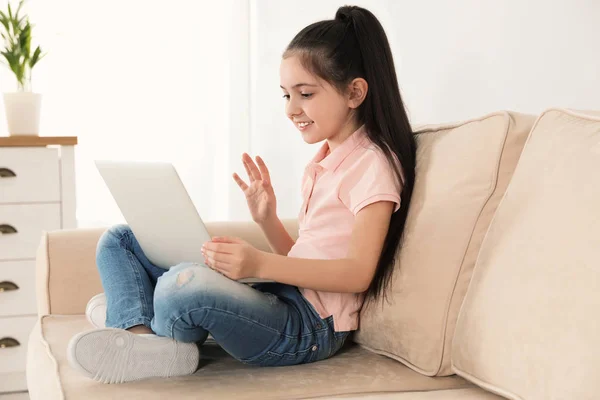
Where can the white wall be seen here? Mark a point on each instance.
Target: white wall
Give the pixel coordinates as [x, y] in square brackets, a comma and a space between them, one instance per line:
[201, 88]
[454, 59]
[144, 80]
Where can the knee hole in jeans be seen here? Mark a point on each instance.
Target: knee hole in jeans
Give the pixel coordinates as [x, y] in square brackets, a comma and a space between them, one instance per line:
[185, 276]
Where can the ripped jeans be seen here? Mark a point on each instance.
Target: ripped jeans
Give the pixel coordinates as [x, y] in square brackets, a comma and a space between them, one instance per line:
[268, 324]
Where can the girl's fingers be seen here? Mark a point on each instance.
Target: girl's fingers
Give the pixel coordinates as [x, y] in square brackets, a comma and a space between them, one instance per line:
[218, 266]
[215, 258]
[227, 239]
[252, 167]
[263, 170]
[240, 182]
[211, 248]
[248, 171]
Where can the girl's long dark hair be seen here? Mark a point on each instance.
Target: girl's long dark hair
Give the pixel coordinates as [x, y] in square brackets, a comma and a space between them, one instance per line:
[354, 45]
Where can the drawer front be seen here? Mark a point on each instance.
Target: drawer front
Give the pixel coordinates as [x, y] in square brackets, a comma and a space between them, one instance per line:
[14, 335]
[17, 288]
[28, 221]
[15, 382]
[29, 174]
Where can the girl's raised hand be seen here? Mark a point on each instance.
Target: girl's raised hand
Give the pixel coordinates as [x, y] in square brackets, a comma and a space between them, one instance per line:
[259, 193]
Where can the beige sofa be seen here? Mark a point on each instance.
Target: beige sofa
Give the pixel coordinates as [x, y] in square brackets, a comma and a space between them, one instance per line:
[497, 291]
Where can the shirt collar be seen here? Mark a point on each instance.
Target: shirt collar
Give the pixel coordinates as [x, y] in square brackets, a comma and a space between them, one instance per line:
[333, 160]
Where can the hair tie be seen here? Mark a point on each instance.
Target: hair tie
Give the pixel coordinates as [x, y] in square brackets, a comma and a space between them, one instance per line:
[345, 16]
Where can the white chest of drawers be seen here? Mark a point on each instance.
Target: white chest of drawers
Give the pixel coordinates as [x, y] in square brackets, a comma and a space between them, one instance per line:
[37, 193]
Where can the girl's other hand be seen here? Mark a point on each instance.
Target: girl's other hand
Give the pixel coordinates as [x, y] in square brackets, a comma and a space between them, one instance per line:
[232, 257]
[260, 195]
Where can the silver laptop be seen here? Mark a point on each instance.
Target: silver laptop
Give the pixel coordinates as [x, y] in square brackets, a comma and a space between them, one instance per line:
[158, 209]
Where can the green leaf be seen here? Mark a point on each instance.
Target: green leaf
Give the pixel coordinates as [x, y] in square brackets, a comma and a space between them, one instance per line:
[11, 20]
[14, 20]
[35, 58]
[10, 57]
[14, 65]
[25, 40]
[20, 21]
[20, 73]
[19, 9]
[4, 20]
[7, 56]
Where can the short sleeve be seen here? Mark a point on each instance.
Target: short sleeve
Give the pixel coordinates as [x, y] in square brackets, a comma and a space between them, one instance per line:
[370, 179]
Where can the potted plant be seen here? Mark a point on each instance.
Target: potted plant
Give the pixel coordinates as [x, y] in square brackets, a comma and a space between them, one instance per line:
[22, 107]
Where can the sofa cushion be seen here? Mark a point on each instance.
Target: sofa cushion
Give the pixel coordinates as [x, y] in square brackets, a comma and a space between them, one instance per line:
[530, 323]
[462, 172]
[354, 370]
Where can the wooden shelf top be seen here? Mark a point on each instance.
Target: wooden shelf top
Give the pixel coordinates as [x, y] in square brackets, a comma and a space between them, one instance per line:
[29, 141]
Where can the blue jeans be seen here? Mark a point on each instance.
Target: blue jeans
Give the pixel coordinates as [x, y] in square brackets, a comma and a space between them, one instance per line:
[268, 324]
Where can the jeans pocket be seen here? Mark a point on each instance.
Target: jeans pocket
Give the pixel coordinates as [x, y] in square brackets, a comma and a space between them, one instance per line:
[275, 357]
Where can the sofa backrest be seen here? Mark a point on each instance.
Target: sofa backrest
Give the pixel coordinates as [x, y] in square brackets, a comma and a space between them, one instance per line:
[530, 324]
[462, 172]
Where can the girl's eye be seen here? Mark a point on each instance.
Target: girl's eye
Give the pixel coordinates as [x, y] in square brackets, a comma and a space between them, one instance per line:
[304, 95]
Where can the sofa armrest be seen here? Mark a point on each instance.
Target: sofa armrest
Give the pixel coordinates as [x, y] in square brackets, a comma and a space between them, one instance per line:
[66, 274]
[67, 277]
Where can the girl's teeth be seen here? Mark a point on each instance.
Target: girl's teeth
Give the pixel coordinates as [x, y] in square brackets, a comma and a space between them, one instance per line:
[303, 124]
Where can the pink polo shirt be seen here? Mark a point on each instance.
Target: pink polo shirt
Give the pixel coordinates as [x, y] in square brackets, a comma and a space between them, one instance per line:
[334, 189]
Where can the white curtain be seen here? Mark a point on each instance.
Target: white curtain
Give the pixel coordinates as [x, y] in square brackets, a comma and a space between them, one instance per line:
[145, 80]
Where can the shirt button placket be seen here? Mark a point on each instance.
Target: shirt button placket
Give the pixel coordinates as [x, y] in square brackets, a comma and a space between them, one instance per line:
[313, 178]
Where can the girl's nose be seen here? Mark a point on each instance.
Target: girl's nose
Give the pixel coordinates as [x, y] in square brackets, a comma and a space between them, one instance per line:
[292, 109]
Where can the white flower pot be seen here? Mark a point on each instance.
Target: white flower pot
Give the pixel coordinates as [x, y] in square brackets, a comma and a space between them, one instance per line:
[23, 113]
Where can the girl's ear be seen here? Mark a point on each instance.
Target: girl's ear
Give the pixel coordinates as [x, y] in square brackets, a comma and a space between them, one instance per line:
[357, 92]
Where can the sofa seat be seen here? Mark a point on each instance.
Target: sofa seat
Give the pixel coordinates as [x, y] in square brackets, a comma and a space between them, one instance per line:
[352, 373]
[472, 393]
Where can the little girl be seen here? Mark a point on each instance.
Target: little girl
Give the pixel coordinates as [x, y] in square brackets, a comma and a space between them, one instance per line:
[340, 87]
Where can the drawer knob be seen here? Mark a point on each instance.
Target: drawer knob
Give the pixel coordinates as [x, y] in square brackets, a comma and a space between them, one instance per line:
[9, 342]
[7, 173]
[6, 286]
[6, 229]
